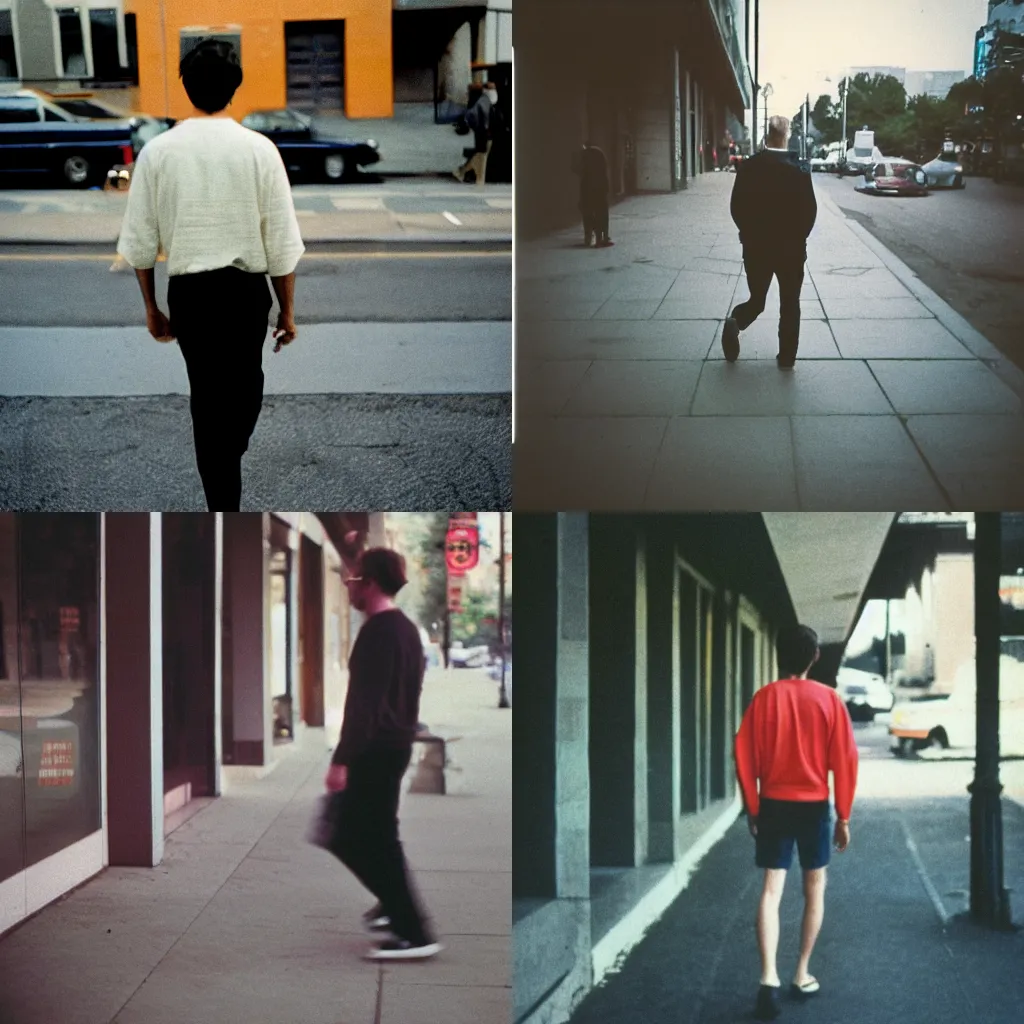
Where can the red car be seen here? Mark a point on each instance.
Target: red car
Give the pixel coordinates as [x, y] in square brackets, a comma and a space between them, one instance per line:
[895, 177]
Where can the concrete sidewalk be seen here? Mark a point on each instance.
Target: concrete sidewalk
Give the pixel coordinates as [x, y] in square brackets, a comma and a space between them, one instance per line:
[884, 954]
[410, 212]
[244, 923]
[625, 402]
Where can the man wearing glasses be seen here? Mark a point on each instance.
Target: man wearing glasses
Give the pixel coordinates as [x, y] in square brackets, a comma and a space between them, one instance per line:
[380, 724]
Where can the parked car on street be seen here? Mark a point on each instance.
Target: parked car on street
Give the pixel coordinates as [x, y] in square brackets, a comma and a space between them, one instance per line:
[308, 152]
[945, 171]
[864, 693]
[950, 721]
[39, 139]
[894, 176]
[469, 657]
[89, 108]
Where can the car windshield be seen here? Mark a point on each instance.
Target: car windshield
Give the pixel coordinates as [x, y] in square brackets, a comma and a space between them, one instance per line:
[893, 170]
[276, 120]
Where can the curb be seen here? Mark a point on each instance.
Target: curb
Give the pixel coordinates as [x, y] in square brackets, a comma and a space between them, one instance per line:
[972, 339]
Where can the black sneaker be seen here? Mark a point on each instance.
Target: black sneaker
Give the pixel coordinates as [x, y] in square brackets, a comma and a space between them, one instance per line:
[768, 1005]
[731, 339]
[401, 949]
[376, 920]
[785, 364]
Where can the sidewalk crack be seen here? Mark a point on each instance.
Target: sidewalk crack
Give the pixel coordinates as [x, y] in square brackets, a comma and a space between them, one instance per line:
[378, 1013]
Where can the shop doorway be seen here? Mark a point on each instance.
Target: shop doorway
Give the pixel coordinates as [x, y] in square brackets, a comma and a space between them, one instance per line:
[315, 56]
[280, 605]
[311, 632]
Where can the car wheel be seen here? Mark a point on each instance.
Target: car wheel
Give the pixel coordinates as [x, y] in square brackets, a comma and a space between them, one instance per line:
[907, 748]
[938, 739]
[335, 167]
[958, 182]
[77, 171]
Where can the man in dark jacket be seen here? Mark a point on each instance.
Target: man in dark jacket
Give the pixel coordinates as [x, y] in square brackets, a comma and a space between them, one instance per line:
[380, 724]
[592, 167]
[773, 206]
[478, 119]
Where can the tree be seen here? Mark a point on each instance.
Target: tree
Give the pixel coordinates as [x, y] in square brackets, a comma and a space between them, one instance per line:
[434, 601]
[827, 117]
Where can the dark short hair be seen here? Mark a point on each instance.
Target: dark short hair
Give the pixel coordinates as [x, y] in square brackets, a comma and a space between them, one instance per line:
[211, 74]
[385, 567]
[795, 648]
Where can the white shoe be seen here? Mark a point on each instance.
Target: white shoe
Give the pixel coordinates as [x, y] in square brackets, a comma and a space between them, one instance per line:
[400, 949]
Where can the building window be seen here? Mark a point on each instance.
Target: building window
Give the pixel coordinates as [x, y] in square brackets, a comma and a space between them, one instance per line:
[72, 43]
[8, 57]
[191, 37]
[106, 62]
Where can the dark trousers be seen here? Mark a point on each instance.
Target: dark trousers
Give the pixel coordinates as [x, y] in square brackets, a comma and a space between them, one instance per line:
[761, 267]
[595, 223]
[366, 839]
[220, 318]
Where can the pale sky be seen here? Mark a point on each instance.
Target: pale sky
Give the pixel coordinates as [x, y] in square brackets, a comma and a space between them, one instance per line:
[802, 41]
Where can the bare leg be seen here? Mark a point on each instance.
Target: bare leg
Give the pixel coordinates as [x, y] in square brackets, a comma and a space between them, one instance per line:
[768, 924]
[814, 913]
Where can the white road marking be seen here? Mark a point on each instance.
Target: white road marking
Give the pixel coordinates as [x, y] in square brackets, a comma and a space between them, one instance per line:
[929, 886]
[455, 220]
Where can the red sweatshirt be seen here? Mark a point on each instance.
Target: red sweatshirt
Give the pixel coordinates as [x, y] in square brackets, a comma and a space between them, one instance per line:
[794, 732]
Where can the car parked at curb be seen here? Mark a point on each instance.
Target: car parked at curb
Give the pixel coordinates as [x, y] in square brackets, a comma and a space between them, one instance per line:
[865, 694]
[39, 139]
[945, 171]
[461, 656]
[894, 176]
[308, 152]
[87, 107]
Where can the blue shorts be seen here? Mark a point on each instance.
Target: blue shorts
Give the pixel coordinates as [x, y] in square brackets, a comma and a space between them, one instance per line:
[781, 823]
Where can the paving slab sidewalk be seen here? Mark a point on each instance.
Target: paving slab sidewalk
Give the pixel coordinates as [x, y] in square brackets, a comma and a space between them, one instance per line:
[624, 400]
[413, 212]
[885, 954]
[244, 923]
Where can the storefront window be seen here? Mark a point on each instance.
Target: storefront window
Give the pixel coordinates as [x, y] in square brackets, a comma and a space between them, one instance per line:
[8, 57]
[58, 625]
[105, 57]
[12, 784]
[72, 42]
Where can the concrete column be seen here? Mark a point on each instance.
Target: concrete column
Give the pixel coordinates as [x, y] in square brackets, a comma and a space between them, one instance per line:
[954, 616]
[663, 694]
[134, 706]
[688, 123]
[618, 693]
[244, 548]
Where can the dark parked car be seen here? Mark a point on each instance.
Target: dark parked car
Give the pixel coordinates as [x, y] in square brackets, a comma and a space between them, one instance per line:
[39, 139]
[306, 151]
[895, 177]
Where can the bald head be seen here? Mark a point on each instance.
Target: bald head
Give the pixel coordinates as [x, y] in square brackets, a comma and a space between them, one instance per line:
[778, 132]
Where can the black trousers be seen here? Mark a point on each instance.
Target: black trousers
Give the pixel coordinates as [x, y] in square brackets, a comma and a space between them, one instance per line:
[366, 839]
[220, 318]
[761, 266]
[595, 223]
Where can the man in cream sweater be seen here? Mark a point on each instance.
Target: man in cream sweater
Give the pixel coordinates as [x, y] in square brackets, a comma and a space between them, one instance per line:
[215, 197]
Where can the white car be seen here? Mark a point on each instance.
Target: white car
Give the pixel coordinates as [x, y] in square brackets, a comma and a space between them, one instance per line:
[864, 693]
[945, 171]
[951, 721]
[468, 657]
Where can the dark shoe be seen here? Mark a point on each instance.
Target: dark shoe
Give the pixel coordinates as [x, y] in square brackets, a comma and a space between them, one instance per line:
[785, 364]
[807, 990]
[768, 1004]
[606, 244]
[376, 920]
[731, 339]
[400, 949]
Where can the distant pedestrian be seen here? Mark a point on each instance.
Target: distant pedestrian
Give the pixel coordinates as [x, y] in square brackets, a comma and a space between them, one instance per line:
[592, 167]
[794, 733]
[773, 206]
[216, 198]
[478, 119]
[381, 721]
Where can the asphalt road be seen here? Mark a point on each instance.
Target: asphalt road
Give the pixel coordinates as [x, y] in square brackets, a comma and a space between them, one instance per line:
[42, 287]
[965, 245]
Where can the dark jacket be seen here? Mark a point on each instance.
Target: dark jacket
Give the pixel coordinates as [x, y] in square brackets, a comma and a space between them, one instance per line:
[592, 167]
[478, 117]
[773, 202]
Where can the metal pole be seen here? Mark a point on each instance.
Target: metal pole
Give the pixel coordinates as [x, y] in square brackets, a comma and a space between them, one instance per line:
[888, 643]
[807, 114]
[990, 903]
[503, 701]
[846, 89]
[757, 74]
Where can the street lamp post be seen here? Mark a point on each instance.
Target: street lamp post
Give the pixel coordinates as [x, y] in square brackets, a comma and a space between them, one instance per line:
[503, 701]
[846, 89]
[766, 92]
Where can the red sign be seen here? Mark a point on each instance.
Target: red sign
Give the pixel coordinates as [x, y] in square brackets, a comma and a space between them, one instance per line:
[69, 620]
[455, 586]
[462, 549]
[57, 765]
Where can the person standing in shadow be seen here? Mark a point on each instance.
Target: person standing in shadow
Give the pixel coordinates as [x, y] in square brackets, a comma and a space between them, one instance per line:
[215, 197]
[592, 167]
[773, 206]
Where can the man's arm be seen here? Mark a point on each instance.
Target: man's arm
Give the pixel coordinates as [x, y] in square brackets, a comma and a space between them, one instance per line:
[808, 204]
[372, 668]
[739, 203]
[747, 767]
[282, 242]
[843, 760]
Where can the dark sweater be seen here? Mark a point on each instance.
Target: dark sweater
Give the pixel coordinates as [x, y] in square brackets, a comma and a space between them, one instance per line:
[384, 685]
[773, 202]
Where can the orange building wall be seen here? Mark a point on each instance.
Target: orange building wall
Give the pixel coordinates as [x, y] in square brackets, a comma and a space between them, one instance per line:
[369, 78]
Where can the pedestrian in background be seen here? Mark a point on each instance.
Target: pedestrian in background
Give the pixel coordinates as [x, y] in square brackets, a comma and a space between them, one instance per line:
[478, 119]
[215, 197]
[794, 733]
[381, 721]
[592, 167]
[773, 206]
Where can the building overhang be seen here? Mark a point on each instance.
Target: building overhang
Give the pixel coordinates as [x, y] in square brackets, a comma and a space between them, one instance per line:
[348, 532]
[827, 560]
[729, 50]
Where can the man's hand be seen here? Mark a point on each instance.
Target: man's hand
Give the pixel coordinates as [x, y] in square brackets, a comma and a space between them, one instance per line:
[337, 778]
[284, 333]
[842, 836]
[752, 825]
[159, 326]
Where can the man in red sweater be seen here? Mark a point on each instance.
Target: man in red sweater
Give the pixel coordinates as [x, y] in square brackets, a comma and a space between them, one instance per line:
[793, 734]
